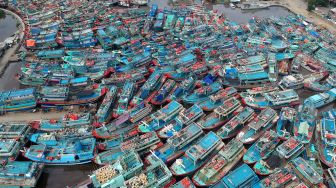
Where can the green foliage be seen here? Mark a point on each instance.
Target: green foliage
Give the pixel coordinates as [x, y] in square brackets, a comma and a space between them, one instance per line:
[2, 14]
[313, 3]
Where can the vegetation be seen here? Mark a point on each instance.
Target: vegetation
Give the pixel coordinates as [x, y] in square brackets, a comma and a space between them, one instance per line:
[2, 14]
[314, 3]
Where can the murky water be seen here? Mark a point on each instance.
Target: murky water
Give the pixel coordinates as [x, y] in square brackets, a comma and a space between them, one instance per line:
[7, 27]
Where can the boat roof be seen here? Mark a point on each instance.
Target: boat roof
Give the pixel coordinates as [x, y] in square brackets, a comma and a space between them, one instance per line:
[253, 76]
[17, 93]
[17, 169]
[239, 176]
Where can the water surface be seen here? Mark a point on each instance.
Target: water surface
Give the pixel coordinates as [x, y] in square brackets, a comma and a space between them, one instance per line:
[7, 27]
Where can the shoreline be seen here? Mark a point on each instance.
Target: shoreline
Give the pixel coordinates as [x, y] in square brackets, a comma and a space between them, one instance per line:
[5, 60]
[297, 8]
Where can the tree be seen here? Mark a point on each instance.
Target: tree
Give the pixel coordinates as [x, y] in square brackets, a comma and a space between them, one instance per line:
[311, 5]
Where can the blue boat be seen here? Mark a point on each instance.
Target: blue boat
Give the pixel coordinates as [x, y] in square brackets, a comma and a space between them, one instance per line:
[221, 114]
[179, 143]
[326, 138]
[115, 128]
[184, 118]
[154, 81]
[18, 100]
[124, 168]
[162, 94]
[305, 123]
[242, 176]
[258, 126]
[322, 99]
[218, 98]
[285, 122]
[197, 155]
[184, 183]
[275, 99]
[288, 150]
[124, 98]
[160, 118]
[108, 157]
[20, 174]
[67, 152]
[232, 127]
[103, 114]
[202, 94]
[182, 89]
[262, 148]
[68, 121]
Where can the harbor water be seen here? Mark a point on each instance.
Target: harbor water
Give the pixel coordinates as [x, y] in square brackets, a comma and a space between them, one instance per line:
[8, 26]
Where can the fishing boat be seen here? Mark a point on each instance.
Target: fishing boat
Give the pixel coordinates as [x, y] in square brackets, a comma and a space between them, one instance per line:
[103, 114]
[197, 155]
[162, 94]
[307, 173]
[293, 81]
[115, 174]
[285, 152]
[243, 176]
[160, 118]
[124, 98]
[220, 115]
[202, 94]
[69, 120]
[262, 148]
[305, 122]
[191, 114]
[332, 175]
[184, 183]
[283, 177]
[322, 99]
[141, 143]
[108, 157]
[275, 99]
[119, 79]
[139, 112]
[215, 169]
[233, 126]
[218, 98]
[154, 82]
[286, 122]
[272, 68]
[184, 118]
[267, 88]
[115, 128]
[326, 138]
[51, 96]
[258, 126]
[10, 149]
[20, 173]
[17, 100]
[179, 143]
[14, 130]
[157, 174]
[182, 89]
[67, 152]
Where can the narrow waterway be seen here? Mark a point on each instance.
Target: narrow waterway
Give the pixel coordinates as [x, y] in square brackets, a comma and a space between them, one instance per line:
[8, 26]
